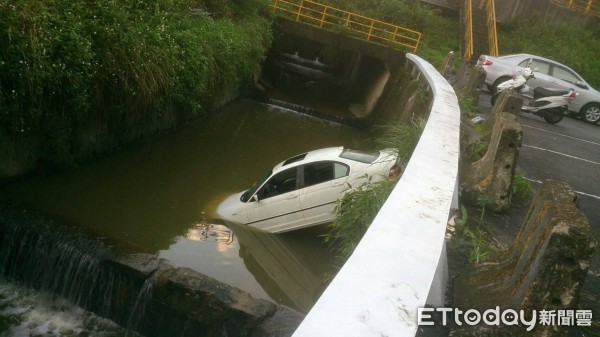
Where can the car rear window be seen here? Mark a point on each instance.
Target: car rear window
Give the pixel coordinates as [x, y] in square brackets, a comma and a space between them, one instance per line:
[294, 159]
[366, 157]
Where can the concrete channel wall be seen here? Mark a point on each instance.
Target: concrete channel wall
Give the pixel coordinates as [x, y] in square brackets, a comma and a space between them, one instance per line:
[400, 265]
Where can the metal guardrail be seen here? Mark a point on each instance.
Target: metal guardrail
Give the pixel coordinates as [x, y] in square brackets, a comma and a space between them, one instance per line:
[332, 18]
[492, 33]
[591, 7]
[468, 24]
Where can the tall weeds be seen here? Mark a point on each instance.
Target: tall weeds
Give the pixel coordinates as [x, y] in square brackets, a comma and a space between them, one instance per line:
[358, 207]
[123, 61]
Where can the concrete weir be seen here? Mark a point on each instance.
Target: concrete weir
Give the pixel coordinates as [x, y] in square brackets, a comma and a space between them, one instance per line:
[137, 291]
[334, 76]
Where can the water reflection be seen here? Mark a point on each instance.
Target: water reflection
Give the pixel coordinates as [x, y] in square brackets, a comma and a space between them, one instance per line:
[276, 266]
[288, 275]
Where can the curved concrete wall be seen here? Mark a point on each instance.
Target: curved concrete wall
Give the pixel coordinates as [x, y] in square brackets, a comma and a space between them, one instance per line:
[400, 264]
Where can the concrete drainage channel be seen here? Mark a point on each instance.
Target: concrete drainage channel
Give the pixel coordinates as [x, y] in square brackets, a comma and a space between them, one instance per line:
[147, 295]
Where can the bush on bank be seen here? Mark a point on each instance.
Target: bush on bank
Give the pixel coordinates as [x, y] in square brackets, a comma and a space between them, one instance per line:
[122, 62]
[357, 209]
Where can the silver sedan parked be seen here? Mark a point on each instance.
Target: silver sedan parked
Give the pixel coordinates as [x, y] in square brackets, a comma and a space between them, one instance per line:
[548, 74]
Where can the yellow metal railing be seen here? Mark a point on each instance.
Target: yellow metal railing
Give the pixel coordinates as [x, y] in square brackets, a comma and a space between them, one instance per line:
[587, 6]
[492, 34]
[468, 52]
[368, 29]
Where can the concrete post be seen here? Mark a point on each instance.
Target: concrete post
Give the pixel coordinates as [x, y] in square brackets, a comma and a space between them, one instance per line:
[545, 268]
[489, 180]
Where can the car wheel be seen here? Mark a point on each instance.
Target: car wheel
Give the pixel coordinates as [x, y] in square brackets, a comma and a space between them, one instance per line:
[498, 81]
[591, 113]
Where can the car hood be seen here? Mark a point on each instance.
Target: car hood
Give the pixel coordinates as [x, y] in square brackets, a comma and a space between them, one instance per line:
[230, 207]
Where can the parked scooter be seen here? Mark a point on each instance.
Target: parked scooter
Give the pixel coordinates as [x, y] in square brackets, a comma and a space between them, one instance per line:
[551, 105]
[518, 83]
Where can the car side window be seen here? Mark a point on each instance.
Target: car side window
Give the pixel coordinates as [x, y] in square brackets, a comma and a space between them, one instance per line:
[537, 65]
[340, 170]
[321, 172]
[282, 182]
[564, 74]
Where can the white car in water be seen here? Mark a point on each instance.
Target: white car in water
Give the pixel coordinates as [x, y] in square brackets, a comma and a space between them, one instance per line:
[303, 191]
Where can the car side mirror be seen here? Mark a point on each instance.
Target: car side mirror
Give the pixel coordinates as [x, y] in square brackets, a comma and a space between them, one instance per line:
[581, 85]
[254, 198]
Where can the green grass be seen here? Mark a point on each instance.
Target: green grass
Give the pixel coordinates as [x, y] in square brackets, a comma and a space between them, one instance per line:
[356, 210]
[471, 240]
[439, 34]
[119, 63]
[521, 188]
[467, 103]
[561, 41]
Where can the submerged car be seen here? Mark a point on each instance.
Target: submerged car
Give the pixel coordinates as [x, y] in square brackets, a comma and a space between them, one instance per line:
[302, 191]
[548, 74]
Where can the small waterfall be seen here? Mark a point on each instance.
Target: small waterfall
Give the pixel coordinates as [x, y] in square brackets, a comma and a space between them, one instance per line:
[144, 296]
[315, 113]
[291, 106]
[66, 263]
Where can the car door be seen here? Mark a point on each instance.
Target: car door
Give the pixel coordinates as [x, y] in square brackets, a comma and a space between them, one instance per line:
[324, 182]
[541, 70]
[276, 205]
[566, 79]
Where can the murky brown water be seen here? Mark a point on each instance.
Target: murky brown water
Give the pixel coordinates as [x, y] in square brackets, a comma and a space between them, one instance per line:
[162, 195]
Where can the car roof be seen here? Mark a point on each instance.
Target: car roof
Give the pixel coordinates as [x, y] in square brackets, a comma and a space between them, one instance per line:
[526, 56]
[328, 153]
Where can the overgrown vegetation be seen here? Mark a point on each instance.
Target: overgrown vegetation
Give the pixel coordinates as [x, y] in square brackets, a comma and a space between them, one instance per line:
[467, 103]
[476, 150]
[521, 188]
[120, 62]
[470, 239]
[439, 34]
[356, 210]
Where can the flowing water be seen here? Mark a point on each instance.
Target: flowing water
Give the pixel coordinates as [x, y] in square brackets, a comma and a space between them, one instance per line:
[161, 197]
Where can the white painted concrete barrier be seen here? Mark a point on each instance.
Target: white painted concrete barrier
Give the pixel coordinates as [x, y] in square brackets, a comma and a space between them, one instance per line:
[400, 264]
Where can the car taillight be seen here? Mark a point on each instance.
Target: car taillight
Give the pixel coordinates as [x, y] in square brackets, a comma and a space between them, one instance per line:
[395, 171]
[483, 60]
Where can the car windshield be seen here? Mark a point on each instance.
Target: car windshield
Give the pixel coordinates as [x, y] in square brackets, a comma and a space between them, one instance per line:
[249, 192]
[366, 157]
